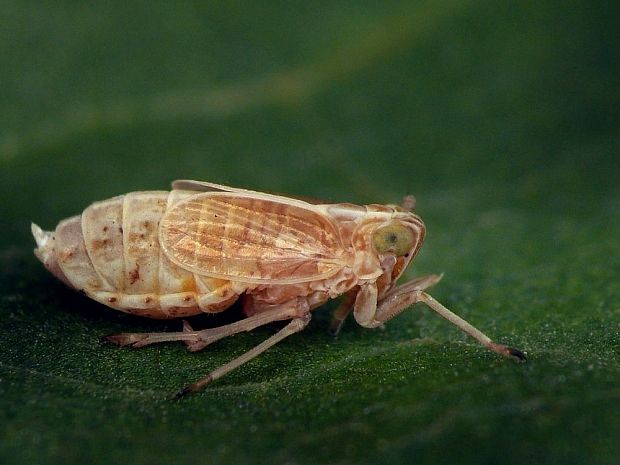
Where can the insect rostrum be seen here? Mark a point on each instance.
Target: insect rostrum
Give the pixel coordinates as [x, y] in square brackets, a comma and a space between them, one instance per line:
[202, 246]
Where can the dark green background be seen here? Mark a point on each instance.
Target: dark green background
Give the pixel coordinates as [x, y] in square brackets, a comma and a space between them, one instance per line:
[501, 117]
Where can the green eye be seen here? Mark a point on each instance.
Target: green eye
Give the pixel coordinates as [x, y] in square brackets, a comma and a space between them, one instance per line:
[395, 237]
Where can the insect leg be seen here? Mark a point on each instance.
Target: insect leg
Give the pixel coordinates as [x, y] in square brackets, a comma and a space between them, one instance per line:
[293, 327]
[197, 340]
[422, 283]
[367, 308]
[342, 311]
[401, 298]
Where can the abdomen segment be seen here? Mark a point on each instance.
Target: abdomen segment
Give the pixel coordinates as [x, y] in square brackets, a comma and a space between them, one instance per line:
[111, 252]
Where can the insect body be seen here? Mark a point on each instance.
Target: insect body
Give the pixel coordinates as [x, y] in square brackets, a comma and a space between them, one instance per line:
[202, 246]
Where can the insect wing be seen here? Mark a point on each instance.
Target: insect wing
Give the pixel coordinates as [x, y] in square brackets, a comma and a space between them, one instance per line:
[204, 186]
[253, 238]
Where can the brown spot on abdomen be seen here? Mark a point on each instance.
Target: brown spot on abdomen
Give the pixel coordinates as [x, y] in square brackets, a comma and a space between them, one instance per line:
[134, 274]
[99, 244]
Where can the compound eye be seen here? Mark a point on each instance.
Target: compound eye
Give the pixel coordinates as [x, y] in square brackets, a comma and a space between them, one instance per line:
[395, 237]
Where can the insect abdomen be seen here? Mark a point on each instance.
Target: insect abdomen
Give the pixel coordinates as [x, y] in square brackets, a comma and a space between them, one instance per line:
[112, 253]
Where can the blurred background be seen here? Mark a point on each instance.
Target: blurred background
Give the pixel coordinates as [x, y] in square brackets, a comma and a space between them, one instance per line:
[502, 118]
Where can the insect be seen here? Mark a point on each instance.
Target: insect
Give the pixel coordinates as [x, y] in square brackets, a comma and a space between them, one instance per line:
[203, 246]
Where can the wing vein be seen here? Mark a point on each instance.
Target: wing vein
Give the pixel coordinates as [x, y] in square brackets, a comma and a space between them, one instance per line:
[228, 210]
[251, 238]
[269, 215]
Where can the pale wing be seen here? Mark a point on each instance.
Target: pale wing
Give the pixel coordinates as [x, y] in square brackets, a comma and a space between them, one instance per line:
[251, 238]
[204, 186]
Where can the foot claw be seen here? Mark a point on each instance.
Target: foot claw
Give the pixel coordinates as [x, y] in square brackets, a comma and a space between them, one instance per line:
[182, 393]
[517, 354]
[508, 351]
[191, 388]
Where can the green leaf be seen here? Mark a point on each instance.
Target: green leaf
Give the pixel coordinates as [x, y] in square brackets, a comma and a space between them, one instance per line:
[500, 118]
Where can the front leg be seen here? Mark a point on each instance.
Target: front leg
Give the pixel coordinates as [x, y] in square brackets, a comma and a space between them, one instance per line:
[366, 310]
[365, 307]
[406, 295]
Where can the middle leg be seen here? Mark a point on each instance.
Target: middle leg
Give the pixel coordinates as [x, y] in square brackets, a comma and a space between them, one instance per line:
[296, 325]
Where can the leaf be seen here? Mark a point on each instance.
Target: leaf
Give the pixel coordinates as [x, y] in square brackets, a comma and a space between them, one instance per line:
[501, 119]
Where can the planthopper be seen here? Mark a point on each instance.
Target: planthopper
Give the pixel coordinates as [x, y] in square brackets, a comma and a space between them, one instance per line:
[202, 246]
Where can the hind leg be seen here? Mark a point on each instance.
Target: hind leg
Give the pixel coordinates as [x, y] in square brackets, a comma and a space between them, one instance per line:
[197, 340]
